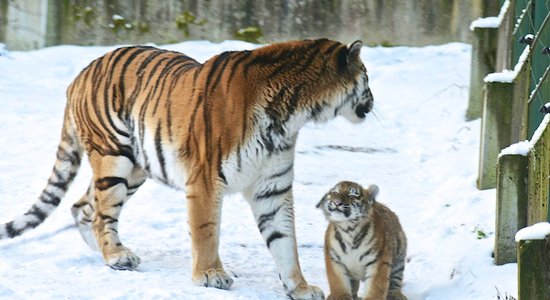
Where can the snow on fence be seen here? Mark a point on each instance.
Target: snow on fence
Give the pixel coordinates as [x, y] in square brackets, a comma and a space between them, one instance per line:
[514, 158]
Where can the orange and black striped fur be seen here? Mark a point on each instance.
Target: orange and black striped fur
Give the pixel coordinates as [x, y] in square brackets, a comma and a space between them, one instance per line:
[227, 125]
[364, 241]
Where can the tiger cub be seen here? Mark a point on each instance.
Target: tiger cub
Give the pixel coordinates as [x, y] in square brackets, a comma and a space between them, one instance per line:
[364, 241]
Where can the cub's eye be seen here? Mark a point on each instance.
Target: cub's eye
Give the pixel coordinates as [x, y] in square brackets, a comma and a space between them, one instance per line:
[353, 192]
[355, 200]
[334, 192]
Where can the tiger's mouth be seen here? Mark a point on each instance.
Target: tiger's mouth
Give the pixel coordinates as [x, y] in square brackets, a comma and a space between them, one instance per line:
[362, 110]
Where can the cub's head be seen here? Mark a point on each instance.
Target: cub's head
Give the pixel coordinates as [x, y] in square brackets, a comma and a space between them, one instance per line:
[348, 201]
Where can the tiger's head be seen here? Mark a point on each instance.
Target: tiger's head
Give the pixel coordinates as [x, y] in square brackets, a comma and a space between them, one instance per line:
[348, 201]
[358, 99]
[344, 91]
[315, 80]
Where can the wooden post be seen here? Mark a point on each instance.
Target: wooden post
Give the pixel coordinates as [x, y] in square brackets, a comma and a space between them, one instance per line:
[511, 205]
[495, 130]
[504, 42]
[483, 62]
[539, 175]
[534, 269]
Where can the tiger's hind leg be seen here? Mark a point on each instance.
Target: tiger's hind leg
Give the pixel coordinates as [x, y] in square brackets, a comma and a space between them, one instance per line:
[115, 179]
[83, 210]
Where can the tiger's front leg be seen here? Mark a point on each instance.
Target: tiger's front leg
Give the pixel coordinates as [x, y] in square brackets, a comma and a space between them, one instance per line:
[204, 208]
[272, 205]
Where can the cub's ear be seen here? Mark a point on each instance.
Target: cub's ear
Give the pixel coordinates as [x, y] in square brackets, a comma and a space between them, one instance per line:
[354, 50]
[322, 201]
[372, 192]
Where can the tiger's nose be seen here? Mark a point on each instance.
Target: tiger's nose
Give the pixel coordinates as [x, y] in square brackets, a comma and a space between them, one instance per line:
[363, 109]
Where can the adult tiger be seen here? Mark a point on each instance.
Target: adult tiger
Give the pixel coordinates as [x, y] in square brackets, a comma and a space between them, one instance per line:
[228, 125]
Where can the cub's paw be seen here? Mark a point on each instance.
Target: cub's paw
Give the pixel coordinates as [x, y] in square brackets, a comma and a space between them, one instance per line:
[216, 278]
[396, 296]
[123, 260]
[306, 292]
[339, 297]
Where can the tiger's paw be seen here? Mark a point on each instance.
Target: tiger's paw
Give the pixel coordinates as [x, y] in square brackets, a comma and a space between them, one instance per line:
[306, 292]
[216, 278]
[123, 260]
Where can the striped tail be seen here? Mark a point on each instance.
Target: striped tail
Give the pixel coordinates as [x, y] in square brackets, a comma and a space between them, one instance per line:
[69, 154]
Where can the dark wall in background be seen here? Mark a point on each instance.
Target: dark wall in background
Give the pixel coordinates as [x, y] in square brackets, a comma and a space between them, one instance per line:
[28, 24]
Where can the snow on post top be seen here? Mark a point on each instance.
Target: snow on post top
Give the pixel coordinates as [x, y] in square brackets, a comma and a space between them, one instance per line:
[491, 22]
[540, 130]
[538, 231]
[523, 148]
[487, 22]
[509, 75]
[520, 148]
[504, 76]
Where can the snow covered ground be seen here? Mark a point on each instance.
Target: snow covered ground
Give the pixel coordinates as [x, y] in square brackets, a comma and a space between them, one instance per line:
[416, 147]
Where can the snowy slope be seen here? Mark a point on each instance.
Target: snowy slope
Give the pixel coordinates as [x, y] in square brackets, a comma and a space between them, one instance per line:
[416, 147]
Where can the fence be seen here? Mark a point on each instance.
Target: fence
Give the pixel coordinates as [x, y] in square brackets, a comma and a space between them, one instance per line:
[515, 136]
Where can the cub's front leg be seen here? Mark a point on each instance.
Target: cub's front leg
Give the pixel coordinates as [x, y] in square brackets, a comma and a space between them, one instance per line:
[342, 287]
[272, 205]
[377, 284]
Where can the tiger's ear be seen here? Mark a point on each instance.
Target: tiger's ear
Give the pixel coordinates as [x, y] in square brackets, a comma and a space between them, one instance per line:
[354, 50]
[372, 192]
[348, 57]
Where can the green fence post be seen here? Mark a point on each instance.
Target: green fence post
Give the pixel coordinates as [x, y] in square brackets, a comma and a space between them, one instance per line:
[511, 212]
[483, 63]
[534, 269]
[539, 173]
[495, 130]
